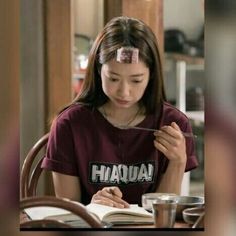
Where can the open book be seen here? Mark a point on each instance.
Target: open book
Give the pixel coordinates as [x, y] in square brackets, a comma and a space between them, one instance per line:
[132, 215]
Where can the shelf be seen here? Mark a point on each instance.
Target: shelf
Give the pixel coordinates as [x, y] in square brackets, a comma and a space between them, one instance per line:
[188, 59]
[184, 63]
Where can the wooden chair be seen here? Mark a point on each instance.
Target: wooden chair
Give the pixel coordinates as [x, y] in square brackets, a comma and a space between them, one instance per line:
[77, 209]
[29, 175]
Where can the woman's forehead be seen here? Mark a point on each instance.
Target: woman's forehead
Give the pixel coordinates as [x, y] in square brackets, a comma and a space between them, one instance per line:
[118, 68]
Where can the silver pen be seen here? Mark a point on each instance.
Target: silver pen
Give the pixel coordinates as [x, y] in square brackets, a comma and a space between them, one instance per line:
[153, 130]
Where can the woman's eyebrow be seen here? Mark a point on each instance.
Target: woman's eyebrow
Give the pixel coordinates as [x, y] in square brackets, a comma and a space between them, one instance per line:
[134, 75]
[113, 73]
[137, 75]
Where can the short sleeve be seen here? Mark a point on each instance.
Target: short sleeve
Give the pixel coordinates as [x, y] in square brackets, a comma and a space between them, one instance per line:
[192, 162]
[171, 114]
[60, 156]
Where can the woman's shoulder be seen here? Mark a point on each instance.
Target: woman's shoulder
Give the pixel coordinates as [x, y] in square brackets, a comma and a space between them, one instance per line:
[173, 113]
[75, 110]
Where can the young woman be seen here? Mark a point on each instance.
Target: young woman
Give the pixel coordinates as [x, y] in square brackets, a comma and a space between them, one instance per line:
[94, 157]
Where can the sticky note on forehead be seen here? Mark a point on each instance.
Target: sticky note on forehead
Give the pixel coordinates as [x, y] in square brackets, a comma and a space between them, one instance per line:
[127, 55]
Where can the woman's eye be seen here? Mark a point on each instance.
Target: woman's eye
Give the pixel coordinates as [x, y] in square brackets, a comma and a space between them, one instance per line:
[137, 81]
[113, 79]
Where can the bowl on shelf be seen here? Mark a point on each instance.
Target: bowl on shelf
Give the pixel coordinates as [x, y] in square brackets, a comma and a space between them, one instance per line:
[185, 202]
[149, 198]
[191, 215]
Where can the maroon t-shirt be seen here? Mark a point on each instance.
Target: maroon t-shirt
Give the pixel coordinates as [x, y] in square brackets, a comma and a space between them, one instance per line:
[83, 143]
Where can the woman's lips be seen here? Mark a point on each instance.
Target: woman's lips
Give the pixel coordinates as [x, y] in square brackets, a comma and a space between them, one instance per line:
[123, 102]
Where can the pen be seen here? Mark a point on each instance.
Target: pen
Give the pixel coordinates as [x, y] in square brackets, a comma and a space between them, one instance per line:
[111, 191]
[148, 129]
[120, 202]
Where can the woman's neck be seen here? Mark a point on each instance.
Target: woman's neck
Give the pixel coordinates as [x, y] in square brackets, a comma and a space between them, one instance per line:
[123, 116]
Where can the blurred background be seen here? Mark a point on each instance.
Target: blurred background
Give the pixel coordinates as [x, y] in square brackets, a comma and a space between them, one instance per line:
[44, 46]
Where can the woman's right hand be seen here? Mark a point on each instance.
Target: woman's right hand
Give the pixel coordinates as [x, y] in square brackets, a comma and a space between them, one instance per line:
[110, 196]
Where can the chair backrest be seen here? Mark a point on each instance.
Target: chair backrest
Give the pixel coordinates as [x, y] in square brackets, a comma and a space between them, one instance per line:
[75, 208]
[30, 174]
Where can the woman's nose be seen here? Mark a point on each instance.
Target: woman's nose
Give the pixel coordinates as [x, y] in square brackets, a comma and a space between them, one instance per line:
[124, 89]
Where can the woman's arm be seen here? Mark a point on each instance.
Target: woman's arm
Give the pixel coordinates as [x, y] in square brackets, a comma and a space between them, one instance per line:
[171, 142]
[172, 179]
[67, 186]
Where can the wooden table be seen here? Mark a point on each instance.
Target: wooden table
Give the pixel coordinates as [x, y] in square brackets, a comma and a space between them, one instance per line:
[178, 225]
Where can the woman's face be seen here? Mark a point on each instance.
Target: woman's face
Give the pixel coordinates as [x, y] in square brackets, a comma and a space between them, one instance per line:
[124, 84]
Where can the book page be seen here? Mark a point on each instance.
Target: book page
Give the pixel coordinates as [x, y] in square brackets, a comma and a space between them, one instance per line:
[37, 213]
[111, 214]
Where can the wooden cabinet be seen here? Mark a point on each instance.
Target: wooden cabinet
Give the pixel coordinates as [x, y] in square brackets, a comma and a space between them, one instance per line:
[151, 12]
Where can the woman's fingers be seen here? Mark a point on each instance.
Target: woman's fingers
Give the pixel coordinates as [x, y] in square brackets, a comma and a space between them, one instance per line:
[116, 191]
[173, 130]
[115, 194]
[170, 133]
[175, 126]
[110, 196]
[102, 200]
[160, 147]
[107, 201]
[171, 142]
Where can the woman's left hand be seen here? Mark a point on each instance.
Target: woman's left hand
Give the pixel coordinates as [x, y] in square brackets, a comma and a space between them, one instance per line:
[110, 196]
[171, 142]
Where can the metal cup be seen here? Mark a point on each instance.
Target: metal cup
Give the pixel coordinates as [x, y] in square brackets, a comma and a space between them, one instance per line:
[164, 212]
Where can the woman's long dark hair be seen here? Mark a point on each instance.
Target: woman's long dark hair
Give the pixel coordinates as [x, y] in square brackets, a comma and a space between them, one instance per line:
[123, 31]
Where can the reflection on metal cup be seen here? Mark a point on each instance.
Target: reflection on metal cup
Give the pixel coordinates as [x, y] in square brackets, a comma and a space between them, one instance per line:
[164, 212]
